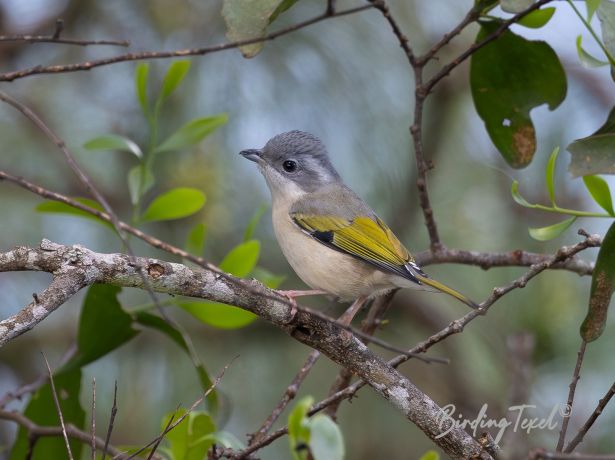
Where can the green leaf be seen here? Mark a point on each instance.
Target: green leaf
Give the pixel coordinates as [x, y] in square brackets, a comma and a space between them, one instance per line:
[195, 242]
[254, 220]
[599, 190]
[430, 455]
[537, 18]
[595, 154]
[56, 207]
[42, 410]
[592, 6]
[141, 76]
[551, 231]
[103, 326]
[241, 259]
[135, 188]
[156, 322]
[176, 73]
[271, 280]
[114, 142]
[186, 439]
[228, 440]
[298, 427]
[603, 284]
[248, 20]
[175, 204]
[514, 191]
[509, 77]
[515, 6]
[219, 315]
[326, 440]
[192, 133]
[550, 173]
[587, 59]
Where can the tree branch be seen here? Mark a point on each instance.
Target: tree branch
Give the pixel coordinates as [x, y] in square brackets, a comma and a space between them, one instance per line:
[590, 421]
[63, 41]
[327, 337]
[88, 65]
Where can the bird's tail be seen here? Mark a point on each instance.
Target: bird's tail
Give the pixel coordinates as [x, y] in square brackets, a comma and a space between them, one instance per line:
[447, 290]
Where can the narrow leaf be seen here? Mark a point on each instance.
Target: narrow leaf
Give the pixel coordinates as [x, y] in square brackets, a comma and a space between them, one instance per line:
[587, 59]
[550, 173]
[135, 187]
[191, 133]
[219, 315]
[514, 191]
[271, 280]
[175, 204]
[141, 76]
[63, 208]
[176, 73]
[551, 231]
[241, 259]
[537, 18]
[254, 220]
[600, 192]
[592, 6]
[113, 142]
[603, 284]
[195, 242]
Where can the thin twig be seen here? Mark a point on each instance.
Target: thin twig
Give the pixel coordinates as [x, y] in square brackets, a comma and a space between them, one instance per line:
[576, 375]
[289, 395]
[93, 444]
[38, 431]
[446, 69]
[63, 41]
[81, 66]
[541, 454]
[111, 422]
[58, 408]
[157, 443]
[190, 409]
[39, 382]
[590, 421]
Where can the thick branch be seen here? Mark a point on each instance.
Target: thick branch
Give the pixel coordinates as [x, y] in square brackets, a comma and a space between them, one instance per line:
[327, 337]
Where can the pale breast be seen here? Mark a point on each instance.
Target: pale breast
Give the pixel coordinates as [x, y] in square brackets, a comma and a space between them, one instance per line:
[324, 268]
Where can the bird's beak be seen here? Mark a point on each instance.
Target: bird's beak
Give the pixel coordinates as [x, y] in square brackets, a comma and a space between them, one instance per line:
[252, 155]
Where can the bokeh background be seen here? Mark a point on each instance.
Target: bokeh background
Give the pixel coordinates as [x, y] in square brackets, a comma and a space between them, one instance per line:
[346, 81]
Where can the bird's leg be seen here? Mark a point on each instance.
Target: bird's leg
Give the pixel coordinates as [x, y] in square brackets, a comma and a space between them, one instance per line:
[349, 314]
[291, 295]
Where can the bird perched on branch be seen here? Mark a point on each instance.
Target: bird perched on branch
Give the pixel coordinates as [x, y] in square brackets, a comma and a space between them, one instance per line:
[332, 239]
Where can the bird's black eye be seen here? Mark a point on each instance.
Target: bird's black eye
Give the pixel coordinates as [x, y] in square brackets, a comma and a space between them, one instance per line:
[289, 166]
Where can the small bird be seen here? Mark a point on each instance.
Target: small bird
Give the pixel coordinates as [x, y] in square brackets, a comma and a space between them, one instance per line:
[331, 238]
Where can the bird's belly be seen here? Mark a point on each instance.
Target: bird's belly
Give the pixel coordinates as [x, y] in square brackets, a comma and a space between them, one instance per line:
[324, 268]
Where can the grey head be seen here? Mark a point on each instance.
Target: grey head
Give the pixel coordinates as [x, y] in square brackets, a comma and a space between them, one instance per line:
[293, 163]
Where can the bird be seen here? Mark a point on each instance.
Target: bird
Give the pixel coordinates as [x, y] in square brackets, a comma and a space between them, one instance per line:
[331, 238]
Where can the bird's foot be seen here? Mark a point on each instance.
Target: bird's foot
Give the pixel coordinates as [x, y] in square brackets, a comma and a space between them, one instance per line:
[292, 295]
